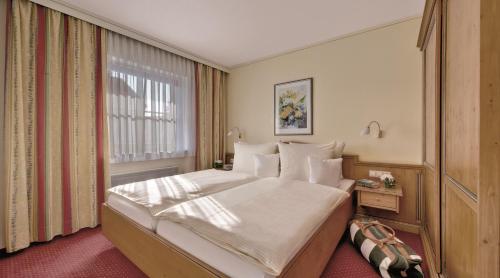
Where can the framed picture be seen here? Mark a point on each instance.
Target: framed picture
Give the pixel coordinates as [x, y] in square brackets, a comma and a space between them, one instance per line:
[293, 107]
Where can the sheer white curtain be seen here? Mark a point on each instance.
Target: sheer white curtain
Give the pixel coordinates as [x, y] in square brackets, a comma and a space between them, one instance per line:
[151, 101]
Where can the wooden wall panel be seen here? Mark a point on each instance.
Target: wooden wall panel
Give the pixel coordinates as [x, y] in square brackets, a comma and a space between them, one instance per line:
[408, 176]
[409, 206]
[432, 130]
[489, 177]
[431, 113]
[462, 92]
[432, 210]
[461, 234]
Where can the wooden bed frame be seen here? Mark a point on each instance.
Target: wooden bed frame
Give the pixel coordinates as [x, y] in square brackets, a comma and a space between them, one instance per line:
[157, 257]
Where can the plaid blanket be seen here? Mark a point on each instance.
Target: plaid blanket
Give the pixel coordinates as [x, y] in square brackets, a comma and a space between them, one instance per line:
[392, 259]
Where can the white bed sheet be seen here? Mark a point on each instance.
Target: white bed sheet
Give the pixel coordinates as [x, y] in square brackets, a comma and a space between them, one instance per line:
[159, 194]
[347, 185]
[213, 255]
[139, 214]
[184, 187]
[142, 216]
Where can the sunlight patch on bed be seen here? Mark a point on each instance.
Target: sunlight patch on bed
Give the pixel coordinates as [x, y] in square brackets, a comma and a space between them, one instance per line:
[187, 185]
[153, 196]
[210, 210]
[172, 188]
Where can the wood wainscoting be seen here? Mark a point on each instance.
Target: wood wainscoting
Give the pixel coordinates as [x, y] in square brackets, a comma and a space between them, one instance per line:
[409, 177]
[432, 132]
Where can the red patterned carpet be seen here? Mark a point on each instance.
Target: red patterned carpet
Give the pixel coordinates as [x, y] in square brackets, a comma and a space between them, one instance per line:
[89, 254]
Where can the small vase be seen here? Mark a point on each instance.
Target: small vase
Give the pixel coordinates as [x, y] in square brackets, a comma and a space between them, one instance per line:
[389, 183]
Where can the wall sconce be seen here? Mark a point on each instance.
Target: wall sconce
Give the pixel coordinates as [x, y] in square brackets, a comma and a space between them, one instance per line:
[367, 130]
[236, 132]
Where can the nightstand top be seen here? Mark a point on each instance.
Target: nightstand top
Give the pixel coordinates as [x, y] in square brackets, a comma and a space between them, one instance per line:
[397, 190]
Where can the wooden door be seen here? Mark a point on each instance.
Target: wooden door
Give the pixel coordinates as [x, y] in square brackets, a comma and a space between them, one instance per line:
[432, 126]
[460, 145]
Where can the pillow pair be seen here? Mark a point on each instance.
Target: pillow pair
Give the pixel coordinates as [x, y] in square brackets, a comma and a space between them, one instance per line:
[326, 172]
[256, 159]
[315, 163]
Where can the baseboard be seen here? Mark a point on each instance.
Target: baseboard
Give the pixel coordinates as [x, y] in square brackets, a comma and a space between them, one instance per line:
[406, 227]
[429, 255]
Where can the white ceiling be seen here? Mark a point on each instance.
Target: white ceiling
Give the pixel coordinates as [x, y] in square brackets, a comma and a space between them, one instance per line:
[235, 32]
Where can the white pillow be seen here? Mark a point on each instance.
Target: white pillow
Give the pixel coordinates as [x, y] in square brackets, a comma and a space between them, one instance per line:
[266, 165]
[338, 149]
[294, 164]
[326, 172]
[243, 155]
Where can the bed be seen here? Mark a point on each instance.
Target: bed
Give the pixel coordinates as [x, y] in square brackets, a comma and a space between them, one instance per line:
[168, 249]
[141, 201]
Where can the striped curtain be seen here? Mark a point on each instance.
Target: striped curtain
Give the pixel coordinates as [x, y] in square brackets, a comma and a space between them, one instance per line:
[211, 115]
[55, 130]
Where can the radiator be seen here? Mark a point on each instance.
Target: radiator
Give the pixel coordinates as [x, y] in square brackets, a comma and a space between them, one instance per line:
[118, 179]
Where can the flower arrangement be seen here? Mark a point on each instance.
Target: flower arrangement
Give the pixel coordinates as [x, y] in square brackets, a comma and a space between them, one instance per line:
[218, 164]
[389, 180]
[292, 110]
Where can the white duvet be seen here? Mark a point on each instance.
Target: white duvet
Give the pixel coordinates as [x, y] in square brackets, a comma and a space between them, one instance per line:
[159, 194]
[265, 222]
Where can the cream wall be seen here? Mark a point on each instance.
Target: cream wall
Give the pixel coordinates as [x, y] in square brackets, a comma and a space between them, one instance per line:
[3, 8]
[375, 75]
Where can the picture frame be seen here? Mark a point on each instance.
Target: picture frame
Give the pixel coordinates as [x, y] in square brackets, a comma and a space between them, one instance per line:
[293, 107]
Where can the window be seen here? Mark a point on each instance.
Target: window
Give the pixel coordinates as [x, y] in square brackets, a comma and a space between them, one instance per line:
[150, 102]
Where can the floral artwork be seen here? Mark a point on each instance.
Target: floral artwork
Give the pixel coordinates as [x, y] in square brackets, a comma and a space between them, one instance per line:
[293, 111]
[293, 107]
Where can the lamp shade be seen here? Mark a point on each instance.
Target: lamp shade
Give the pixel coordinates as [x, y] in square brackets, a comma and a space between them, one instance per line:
[365, 131]
[236, 132]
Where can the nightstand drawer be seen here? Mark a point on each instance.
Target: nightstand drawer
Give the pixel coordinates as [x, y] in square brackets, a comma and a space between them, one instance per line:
[378, 200]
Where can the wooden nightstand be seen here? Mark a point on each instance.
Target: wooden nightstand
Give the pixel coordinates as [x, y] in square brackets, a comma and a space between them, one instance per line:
[381, 198]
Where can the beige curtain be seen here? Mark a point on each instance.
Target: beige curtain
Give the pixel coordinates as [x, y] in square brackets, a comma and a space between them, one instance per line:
[56, 153]
[211, 115]
[3, 36]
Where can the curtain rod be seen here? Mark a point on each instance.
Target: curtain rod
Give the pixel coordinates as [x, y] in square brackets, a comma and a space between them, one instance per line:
[119, 28]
